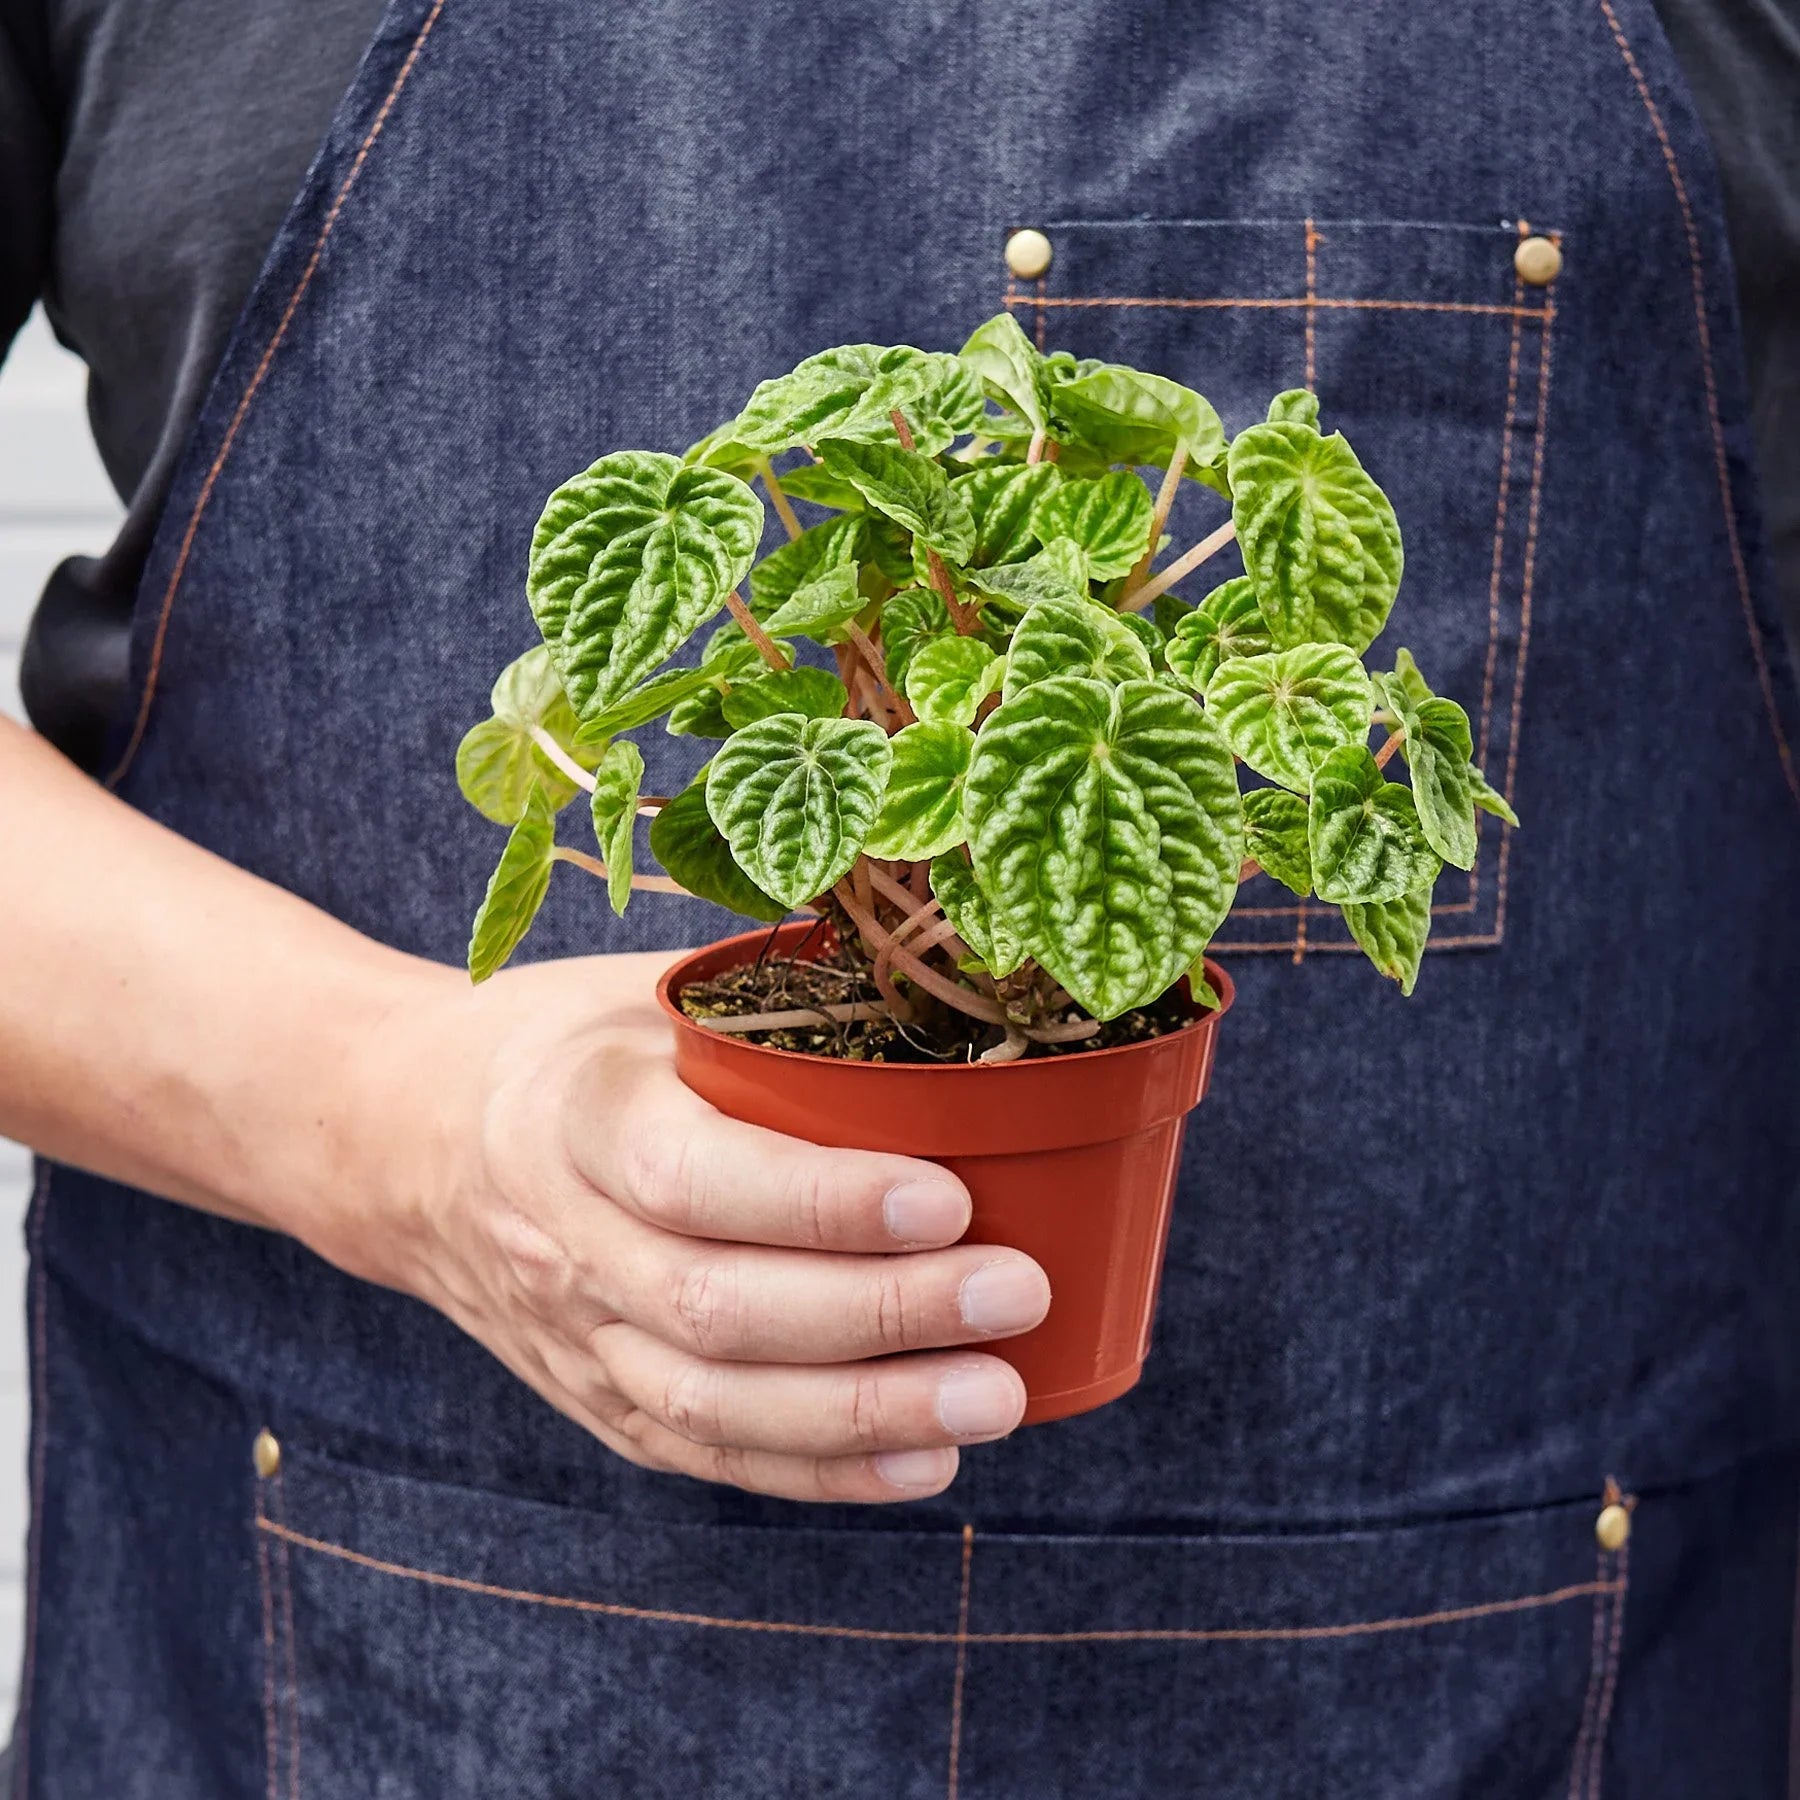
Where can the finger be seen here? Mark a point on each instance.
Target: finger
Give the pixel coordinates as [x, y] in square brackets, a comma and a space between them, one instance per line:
[881, 1479]
[681, 1164]
[903, 1403]
[748, 1303]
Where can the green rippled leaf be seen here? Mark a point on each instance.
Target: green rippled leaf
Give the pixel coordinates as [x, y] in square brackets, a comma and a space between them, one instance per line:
[921, 812]
[516, 888]
[1107, 833]
[618, 780]
[1364, 833]
[1286, 712]
[795, 799]
[1318, 537]
[629, 558]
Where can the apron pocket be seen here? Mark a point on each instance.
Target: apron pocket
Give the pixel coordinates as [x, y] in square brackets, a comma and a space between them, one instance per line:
[423, 1639]
[1432, 355]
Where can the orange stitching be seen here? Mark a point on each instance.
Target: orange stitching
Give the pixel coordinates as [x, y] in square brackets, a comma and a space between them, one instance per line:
[270, 1729]
[1603, 1717]
[1312, 292]
[1545, 312]
[287, 1612]
[1318, 946]
[962, 1663]
[1299, 944]
[141, 723]
[40, 1432]
[795, 1628]
[1531, 532]
[1043, 287]
[1593, 1686]
[1696, 269]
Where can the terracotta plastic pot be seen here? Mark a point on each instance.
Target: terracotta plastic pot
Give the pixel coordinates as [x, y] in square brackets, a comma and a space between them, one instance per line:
[1070, 1158]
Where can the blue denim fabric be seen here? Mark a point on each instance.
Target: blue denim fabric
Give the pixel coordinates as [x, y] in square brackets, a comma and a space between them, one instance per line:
[1438, 1268]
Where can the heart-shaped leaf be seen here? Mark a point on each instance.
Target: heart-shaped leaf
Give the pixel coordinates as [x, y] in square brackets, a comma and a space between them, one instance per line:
[1364, 833]
[1003, 359]
[1437, 745]
[822, 608]
[921, 813]
[947, 679]
[1002, 499]
[1130, 417]
[907, 620]
[1285, 712]
[1057, 572]
[795, 798]
[1109, 517]
[1073, 637]
[1106, 832]
[516, 888]
[837, 543]
[498, 760]
[1392, 934]
[684, 839]
[618, 778]
[966, 907]
[1317, 535]
[628, 560]
[1295, 407]
[812, 693]
[1227, 623]
[1275, 835]
[950, 405]
[908, 488]
[848, 392]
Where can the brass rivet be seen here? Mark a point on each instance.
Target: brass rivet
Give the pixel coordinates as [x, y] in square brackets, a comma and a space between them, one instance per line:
[1028, 254]
[1538, 261]
[266, 1454]
[1612, 1527]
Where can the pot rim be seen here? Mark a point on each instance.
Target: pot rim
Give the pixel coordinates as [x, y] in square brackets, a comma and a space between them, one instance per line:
[1222, 985]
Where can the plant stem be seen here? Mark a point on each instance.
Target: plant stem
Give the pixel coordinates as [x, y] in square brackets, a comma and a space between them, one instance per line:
[1180, 568]
[1165, 499]
[563, 760]
[874, 662]
[784, 507]
[641, 884]
[845, 1012]
[766, 646]
[1385, 754]
[1010, 1049]
[902, 430]
[1034, 451]
[951, 993]
[1072, 1032]
[1250, 866]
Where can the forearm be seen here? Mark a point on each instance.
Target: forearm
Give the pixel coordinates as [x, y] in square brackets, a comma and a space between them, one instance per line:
[168, 1020]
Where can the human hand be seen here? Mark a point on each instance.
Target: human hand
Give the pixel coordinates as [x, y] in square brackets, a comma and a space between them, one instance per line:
[705, 1296]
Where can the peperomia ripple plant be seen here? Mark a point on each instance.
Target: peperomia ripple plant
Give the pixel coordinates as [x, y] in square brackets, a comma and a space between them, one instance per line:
[1021, 784]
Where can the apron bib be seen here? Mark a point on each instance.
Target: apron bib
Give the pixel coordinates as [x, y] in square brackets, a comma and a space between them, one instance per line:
[1439, 1271]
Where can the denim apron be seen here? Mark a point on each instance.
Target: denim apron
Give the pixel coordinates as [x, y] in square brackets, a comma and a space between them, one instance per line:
[1447, 1276]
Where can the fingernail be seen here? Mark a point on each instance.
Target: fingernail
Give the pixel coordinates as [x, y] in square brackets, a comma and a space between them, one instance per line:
[926, 1212]
[978, 1403]
[1003, 1297]
[916, 1469]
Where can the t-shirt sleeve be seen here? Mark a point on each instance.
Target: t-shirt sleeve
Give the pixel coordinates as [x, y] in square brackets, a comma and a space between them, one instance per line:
[27, 164]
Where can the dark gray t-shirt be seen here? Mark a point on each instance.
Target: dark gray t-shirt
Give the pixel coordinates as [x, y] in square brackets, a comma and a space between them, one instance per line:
[148, 149]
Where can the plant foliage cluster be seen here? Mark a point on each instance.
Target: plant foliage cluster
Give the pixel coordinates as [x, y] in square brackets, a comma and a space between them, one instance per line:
[1032, 774]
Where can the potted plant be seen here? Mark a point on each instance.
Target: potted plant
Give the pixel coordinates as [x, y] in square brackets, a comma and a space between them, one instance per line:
[1010, 786]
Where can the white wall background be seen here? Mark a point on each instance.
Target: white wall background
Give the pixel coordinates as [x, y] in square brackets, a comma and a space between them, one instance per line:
[55, 501]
